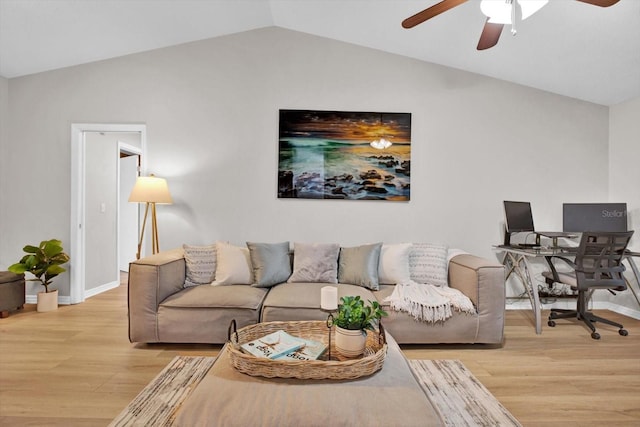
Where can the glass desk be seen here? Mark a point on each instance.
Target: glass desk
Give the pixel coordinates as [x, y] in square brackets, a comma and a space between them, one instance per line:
[516, 260]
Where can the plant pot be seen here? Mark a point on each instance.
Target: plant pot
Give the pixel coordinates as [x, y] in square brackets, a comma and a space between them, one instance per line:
[47, 301]
[350, 343]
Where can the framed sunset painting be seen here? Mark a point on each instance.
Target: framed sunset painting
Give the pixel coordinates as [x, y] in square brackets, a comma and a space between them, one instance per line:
[344, 155]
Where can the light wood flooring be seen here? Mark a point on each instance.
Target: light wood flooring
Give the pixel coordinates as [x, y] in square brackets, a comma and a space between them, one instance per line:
[76, 367]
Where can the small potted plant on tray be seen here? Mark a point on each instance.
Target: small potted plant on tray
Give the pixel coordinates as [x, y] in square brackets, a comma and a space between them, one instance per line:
[43, 260]
[353, 319]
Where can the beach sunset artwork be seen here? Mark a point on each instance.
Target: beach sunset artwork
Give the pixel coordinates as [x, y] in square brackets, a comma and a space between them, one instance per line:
[344, 155]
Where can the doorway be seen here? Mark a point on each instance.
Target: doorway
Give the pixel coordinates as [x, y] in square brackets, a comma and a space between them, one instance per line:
[128, 213]
[105, 159]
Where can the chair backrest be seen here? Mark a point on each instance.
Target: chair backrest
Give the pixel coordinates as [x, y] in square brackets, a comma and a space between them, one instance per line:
[599, 260]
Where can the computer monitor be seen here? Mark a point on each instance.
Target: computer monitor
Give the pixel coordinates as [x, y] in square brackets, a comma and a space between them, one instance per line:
[580, 217]
[518, 218]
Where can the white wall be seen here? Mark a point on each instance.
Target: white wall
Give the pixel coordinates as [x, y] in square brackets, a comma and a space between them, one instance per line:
[624, 176]
[624, 161]
[211, 110]
[4, 119]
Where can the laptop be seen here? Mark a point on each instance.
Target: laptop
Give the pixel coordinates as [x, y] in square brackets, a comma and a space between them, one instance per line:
[518, 218]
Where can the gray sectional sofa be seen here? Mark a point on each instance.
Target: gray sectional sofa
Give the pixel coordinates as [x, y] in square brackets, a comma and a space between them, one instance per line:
[163, 310]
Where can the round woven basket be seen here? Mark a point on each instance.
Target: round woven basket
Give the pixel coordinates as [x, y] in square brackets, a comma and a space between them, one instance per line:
[338, 367]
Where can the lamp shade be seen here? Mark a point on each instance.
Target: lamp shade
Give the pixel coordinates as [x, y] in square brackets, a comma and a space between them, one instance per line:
[150, 189]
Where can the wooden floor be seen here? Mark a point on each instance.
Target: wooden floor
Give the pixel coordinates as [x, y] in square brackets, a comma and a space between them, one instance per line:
[76, 367]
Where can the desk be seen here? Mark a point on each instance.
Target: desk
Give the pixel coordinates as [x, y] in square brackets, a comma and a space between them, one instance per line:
[516, 260]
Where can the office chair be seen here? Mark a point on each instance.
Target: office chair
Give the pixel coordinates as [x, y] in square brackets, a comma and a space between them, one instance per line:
[597, 265]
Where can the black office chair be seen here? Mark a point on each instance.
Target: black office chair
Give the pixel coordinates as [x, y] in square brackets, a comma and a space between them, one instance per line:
[597, 265]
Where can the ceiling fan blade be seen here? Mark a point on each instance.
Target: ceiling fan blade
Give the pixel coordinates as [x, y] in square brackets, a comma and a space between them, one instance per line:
[490, 35]
[430, 12]
[601, 3]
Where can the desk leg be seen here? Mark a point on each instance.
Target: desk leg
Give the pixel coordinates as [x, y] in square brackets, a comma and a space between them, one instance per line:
[636, 273]
[521, 266]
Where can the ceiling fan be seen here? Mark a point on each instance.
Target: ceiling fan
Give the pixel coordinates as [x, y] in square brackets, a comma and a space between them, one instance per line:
[498, 12]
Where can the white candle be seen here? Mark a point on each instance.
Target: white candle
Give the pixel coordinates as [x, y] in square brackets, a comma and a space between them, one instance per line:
[329, 298]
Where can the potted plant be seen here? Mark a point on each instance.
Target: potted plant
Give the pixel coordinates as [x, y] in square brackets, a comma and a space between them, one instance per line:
[353, 319]
[44, 262]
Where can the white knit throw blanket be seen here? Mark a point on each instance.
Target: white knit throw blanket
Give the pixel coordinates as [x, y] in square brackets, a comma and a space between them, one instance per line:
[429, 303]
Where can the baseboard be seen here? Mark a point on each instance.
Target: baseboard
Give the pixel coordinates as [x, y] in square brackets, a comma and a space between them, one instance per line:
[524, 304]
[100, 289]
[33, 299]
[66, 300]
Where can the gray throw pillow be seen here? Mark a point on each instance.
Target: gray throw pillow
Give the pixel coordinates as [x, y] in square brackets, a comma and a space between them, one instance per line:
[359, 265]
[270, 262]
[315, 263]
[200, 264]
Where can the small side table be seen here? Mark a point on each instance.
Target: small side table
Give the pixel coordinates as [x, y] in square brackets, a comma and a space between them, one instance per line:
[11, 292]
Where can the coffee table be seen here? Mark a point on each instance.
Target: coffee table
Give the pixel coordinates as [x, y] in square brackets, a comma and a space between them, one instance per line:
[392, 396]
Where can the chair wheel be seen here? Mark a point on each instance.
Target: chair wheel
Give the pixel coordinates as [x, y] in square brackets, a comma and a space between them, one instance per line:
[551, 323]
[623, 332]
[595, 335]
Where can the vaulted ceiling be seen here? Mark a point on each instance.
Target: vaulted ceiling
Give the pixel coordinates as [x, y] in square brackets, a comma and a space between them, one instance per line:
[568, 47]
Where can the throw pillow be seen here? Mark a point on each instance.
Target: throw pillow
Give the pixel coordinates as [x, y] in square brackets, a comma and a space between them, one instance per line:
[394, 264]
[200, 264]
[315, 263]
[428, 264]
[270, 262]
[233, 265]
[359, 265]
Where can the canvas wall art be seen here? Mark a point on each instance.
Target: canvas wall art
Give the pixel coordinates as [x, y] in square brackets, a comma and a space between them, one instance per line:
[344, 155]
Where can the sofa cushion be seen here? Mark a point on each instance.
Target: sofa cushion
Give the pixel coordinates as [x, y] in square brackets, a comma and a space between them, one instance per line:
[270, 262]
[359, 265]
[233, 265]
[200, 264]
[459, 328]
[202, 314]
[232, 296]
[315, 262]
[301, 301]
[428, 264]
[394, 263]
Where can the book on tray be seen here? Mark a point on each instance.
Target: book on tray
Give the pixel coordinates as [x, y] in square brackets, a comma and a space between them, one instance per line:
[273, 345]
[279, 345]
[311, 350]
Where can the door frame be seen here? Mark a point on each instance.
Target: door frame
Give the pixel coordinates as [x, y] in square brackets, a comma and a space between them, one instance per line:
[78, 199]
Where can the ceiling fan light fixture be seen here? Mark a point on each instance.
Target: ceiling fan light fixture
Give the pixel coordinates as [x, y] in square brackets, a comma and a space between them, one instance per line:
[529, 7]
[498, 11]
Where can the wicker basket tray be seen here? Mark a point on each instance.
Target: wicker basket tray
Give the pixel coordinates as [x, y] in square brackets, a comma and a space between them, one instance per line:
[338, 367]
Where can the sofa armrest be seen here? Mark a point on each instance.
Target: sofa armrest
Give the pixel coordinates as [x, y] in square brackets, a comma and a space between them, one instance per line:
[151, 281]
[480, 279]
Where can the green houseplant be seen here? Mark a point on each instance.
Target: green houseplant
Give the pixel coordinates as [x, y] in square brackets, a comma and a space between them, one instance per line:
[44, 262]
[354, 317]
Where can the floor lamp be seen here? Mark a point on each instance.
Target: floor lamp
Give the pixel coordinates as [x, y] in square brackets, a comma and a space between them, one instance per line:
[150, 190]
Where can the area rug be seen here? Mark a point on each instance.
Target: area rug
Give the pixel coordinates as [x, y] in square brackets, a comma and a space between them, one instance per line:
[156, 404]
[459, 397]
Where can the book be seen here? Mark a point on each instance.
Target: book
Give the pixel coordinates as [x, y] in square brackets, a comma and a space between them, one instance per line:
[273, 345]
[311, 350]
